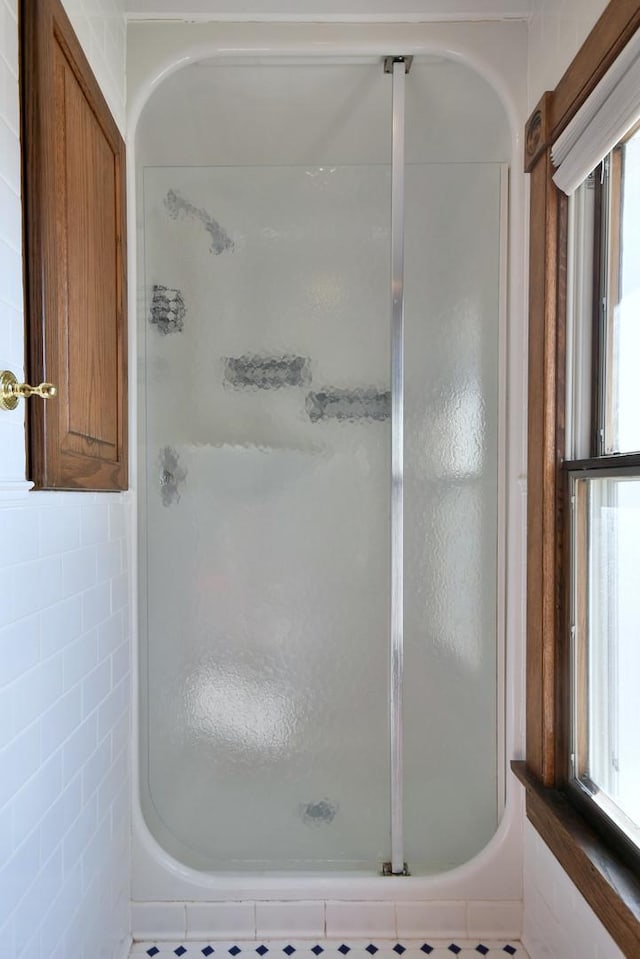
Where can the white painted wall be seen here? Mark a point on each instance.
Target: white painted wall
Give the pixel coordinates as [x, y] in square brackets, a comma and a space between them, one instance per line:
[557, 30]
[558, 922]
[64, 627]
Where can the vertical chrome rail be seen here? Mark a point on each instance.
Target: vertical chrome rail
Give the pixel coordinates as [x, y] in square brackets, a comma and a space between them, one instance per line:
[399, 67]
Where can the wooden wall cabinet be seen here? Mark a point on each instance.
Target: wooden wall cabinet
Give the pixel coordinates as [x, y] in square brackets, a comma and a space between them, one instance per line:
[75, 261]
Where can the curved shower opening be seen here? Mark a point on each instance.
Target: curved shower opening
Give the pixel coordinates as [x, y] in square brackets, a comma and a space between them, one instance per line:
[269, 421]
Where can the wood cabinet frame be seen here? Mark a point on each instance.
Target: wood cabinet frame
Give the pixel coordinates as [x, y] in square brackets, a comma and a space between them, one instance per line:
[609, 887]
[74, 218]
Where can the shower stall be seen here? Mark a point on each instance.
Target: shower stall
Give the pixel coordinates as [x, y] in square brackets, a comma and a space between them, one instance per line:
[322, 298]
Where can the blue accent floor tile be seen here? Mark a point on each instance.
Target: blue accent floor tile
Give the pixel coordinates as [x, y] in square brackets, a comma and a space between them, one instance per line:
[317, 950]
[208, 951]
[510, 950]
[153, 951]
[425, 947]
[180, 951]
[399, 948]
[262, 950]
[481, 949]
[454, 949]
[289, 950]
[371, 949]
[344, 949]
[234, 950]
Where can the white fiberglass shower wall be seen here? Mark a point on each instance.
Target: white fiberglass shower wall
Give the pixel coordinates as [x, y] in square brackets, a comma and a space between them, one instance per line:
[264, 463]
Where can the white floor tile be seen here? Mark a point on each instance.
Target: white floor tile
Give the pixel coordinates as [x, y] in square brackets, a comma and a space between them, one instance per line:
[331, 949]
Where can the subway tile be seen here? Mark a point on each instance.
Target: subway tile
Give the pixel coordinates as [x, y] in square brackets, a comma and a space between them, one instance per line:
[7, 939]
[95, 856]
[96, 768]
[121, 815]
[221, 920]
[59, 530]
[120, 663]
[17, 874]
[494, 920]
[79, 568]
[8, 30]
[7, 843]
[158, 920]
[37, 585]
[301, 919]
[80, 833]
[20, 528]
[9, 156]
[6, 716]
[357, 919]
[119, 592]
[112, 708]
[33, 801]
[111, 634]
[19, 761]
[109, 560]
[58, 819]
[94, 525]
[60, 624]
[11, 219]
[19, 648]
[118, 513]
[436, 919]
[80, 658]
[96, 605]
[58, 723]
[36, 691]
[95, 687]
[41, 890]
[121, 733]
[111, 783]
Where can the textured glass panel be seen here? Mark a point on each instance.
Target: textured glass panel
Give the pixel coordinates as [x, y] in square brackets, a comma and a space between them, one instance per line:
[268, 514]
[265, 328]
[451, 427]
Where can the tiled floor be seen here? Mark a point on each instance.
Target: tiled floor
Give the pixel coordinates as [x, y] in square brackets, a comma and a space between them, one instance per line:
[335, 949]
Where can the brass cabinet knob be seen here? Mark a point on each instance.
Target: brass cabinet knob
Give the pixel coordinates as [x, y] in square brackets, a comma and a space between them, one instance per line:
[11, 390]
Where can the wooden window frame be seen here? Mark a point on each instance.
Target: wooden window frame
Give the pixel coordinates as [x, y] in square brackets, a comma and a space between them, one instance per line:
[600, 873]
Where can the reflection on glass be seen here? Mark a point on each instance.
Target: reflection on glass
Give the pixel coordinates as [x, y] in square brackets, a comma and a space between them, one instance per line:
[607, 648]
[623, 344]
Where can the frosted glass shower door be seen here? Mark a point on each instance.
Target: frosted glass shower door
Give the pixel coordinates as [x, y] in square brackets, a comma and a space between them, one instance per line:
[267, 489]
[451, 533]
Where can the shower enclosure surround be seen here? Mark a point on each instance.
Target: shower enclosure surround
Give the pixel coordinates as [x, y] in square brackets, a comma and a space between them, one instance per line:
[233, 295]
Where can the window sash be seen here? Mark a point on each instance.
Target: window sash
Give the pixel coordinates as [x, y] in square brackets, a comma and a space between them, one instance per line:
[594, 682]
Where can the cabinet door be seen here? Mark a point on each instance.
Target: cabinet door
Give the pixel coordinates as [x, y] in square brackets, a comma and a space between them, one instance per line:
[74, 200]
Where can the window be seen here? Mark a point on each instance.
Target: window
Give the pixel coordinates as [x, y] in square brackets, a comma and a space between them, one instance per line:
[603, 484]
[583, 568]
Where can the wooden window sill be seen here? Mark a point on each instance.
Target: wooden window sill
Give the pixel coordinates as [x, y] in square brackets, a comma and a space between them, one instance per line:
[610, 888]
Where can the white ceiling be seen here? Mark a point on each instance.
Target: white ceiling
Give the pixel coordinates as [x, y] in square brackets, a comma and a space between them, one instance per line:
[333, 10]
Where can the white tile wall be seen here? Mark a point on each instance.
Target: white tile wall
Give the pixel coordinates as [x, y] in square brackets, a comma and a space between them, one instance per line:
[558, 922]
[459, 919]
[64, 729]
[64, 632]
